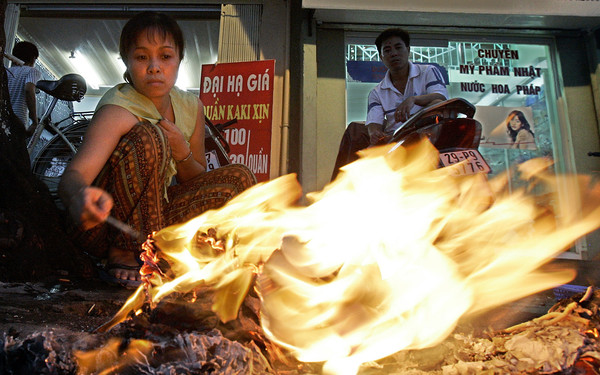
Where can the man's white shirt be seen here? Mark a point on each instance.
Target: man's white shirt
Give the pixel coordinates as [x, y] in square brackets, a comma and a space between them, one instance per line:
[385, 98]
[18, 76]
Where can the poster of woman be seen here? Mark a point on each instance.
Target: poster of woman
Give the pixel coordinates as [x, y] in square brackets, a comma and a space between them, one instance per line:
[506, 127]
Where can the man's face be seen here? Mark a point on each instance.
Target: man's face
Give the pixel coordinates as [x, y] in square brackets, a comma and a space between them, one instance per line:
[394, 53]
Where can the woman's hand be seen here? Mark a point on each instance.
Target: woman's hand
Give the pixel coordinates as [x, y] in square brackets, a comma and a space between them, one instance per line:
[179, 146]
[90, 206]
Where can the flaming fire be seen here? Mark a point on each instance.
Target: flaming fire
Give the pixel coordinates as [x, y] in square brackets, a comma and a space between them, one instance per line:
[112, 358]
[386, 258]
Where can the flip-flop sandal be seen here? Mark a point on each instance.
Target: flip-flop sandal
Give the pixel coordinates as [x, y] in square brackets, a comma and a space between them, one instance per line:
[112, 280]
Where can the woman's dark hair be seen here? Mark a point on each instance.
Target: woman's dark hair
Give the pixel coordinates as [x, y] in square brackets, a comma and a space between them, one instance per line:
[524, 124]
[388, 33]
[151, 23]
[26, 51]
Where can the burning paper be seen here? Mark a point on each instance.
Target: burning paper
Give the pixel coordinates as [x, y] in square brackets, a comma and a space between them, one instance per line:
[386, 258]
[112, 357]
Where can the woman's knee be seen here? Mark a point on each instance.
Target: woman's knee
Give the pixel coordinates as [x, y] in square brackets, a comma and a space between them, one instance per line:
[242, 174]
[148, 146]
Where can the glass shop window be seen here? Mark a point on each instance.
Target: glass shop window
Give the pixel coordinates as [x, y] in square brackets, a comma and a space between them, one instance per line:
[497, 78]
[500, 79]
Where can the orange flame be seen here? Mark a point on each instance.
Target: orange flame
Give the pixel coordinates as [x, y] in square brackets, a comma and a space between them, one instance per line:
[386, 258]
[593, 332]
[112, 358]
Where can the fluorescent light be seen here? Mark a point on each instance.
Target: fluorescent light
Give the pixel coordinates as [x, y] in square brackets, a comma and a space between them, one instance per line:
[183, 78]
[83, 66]
[119, 64]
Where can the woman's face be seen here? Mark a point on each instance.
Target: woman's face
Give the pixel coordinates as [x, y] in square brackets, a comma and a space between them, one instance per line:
[515, 123]
[153, 64]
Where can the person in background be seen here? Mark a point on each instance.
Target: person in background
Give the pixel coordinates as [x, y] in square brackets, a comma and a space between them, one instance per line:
[405, 89]
[21, 85]
[519, 131]
[144, 133]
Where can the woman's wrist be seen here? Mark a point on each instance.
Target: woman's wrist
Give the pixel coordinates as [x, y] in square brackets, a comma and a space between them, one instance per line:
[188, 157]
[76, 198]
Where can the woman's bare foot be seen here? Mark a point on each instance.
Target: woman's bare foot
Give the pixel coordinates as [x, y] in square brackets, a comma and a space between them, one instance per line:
[123, 265]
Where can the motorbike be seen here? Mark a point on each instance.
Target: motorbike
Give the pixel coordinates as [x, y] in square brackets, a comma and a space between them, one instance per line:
[451, 128]
[216, 146]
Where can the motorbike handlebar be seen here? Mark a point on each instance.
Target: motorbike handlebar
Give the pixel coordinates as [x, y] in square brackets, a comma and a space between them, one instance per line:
[450, 108]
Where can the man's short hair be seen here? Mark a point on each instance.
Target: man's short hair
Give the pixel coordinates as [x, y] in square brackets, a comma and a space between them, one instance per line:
[388, 33]
[26, 51]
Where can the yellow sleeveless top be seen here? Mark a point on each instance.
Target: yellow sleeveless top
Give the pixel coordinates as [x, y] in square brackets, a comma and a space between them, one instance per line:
[185, 108]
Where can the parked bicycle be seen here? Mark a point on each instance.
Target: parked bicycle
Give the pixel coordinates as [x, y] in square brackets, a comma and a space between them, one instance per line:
[49, 160]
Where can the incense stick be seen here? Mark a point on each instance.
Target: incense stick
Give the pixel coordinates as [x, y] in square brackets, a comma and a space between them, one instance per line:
[125, 228]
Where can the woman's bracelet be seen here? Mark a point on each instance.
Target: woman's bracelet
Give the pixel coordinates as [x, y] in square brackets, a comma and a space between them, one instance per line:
[184, 159]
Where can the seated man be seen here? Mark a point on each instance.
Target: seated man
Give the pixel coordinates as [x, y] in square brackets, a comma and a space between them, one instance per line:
[405, 89]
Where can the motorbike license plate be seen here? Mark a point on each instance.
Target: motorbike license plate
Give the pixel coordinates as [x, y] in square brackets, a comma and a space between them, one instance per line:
[471, 162]
[212, 161]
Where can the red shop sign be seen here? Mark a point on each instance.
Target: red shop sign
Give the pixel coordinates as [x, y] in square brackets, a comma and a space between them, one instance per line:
[242, 91]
